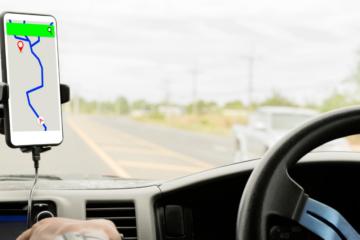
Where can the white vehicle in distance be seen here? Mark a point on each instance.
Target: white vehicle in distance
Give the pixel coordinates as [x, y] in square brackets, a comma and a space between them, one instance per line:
[267, 125]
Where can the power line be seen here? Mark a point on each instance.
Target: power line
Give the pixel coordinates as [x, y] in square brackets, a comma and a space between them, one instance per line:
[194, 73]
[251, 59]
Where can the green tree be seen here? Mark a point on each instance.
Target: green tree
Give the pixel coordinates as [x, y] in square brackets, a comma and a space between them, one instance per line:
[107, 107]
[336, 100]
[86, 106]
[277, 99]
[140, 104]
[143, 105]
[234, 104]
[122, 105]
[311, 104]
[349, 93]
[202, 107]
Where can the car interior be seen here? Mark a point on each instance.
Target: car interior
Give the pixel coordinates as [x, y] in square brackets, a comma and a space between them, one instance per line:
[162, 167]
[200, 206]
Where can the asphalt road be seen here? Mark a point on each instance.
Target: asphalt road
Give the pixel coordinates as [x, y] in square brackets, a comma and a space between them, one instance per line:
[120, 146]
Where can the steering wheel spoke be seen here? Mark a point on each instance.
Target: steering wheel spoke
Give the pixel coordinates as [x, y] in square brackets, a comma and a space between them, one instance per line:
[326, 222]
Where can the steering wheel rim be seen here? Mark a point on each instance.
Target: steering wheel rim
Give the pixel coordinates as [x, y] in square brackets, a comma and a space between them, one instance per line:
[270, 190]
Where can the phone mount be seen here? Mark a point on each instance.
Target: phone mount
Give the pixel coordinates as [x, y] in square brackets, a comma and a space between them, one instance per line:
[35, 150]
[4, 96]
[64, 98]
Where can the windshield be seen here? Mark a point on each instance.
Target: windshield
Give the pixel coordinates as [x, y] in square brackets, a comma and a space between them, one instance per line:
[287, 121]
[163, 89]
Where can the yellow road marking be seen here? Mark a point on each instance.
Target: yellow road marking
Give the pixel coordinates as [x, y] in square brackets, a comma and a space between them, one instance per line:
[156, 147]
[106, 158]
[152, 165]
[131, 150]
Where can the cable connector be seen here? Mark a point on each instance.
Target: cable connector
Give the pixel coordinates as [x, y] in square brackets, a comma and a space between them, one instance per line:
[35, 153]
[36, 158]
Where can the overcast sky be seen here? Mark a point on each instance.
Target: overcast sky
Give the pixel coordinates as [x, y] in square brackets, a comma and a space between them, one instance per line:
[140, 48]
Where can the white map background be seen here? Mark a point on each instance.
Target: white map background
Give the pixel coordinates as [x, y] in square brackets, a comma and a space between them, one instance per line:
[25, 74]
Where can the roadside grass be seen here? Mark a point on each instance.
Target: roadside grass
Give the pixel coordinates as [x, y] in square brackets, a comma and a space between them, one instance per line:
[213, 124]
[206, 123]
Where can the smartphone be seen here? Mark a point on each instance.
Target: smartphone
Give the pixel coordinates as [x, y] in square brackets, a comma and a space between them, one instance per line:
[30, 67]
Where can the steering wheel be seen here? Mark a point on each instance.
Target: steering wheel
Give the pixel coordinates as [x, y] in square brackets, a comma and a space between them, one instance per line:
[271, 192]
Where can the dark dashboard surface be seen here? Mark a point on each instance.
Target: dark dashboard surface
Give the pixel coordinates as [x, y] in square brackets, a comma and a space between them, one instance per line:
[206, 203]
[210, 209]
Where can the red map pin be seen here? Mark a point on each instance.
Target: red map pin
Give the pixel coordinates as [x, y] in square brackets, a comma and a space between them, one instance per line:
[20, 45]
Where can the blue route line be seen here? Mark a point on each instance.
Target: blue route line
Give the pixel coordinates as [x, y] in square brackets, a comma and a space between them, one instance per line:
[26, 39]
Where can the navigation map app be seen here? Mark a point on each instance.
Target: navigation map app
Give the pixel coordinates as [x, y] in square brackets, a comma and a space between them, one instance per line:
[33, 76]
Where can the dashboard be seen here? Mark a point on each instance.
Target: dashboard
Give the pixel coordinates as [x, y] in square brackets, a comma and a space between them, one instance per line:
[199, 206]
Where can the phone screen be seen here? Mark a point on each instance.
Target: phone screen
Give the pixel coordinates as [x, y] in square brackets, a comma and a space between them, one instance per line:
[33, 79]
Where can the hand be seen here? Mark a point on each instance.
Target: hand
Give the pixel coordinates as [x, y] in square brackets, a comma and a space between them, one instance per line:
[50, 228]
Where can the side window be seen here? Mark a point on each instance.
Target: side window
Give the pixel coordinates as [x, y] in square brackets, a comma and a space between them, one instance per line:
[261, 118]
[259, 121]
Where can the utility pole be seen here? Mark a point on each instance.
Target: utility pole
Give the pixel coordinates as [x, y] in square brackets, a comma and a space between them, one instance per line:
[98, 107]
[194, 85]
[120, 105]
[167, 95]
[117, 107]
[130, 108]
[142, 107]
[251, 60]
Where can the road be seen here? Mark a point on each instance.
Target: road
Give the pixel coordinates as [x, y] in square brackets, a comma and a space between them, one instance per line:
[120, 146]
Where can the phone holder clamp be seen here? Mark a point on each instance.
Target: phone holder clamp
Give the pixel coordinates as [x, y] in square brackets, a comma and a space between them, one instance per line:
[4, 96]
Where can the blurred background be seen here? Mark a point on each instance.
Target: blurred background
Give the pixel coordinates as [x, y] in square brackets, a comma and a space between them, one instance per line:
[168, 88]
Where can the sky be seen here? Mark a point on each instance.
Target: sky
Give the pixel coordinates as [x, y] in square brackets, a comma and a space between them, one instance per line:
[161, 49]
